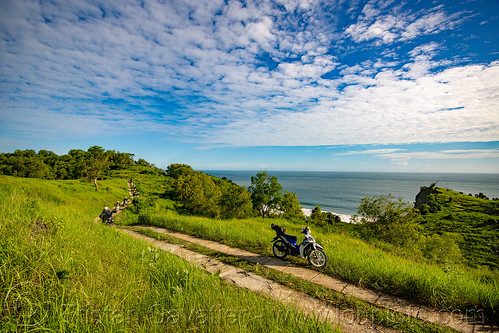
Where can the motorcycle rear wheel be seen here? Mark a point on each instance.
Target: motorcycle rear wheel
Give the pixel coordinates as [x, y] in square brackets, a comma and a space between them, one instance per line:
[317, 258]
[279, 249]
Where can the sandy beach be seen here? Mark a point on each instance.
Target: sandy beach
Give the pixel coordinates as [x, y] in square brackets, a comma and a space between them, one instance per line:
[343, 217]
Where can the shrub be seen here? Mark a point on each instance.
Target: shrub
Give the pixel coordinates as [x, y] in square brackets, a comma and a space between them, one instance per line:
[389, 219]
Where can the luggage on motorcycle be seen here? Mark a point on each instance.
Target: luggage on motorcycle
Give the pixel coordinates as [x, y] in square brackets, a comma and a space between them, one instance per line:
[278, 229]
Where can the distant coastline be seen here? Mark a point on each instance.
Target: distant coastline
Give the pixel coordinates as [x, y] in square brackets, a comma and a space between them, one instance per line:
[342, 192]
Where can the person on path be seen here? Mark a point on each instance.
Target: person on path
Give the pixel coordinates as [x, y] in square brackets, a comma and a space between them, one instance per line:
[106, 215]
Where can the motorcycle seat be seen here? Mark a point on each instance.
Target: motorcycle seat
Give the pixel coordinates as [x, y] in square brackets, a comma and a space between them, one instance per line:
[290, 237]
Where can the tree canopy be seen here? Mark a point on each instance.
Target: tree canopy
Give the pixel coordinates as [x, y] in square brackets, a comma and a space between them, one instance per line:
[389, 219]
[96, 162]
[265, 194]
[291, 207]
[76, 164]
[323, 219]
[201, 194]
[196, 192]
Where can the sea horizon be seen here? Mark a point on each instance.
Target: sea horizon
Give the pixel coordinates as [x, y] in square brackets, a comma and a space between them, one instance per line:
[341, 192]
[340, 171]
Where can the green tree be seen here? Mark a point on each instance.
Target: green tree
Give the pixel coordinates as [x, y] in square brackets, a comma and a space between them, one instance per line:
[48, 157]
[94, 164]
[332, 218]
[323, 219]
[62, 169]
[318, 217]
[20, 161]
[27, 163]
[389, 219]
[143, 162]
[76, 157]
[176, 170]
[76, 164]
[265, 194]
[235, 201]
[119, 161]
[201, 194]
[5, 166]
[36, 168]
[291, 207]
[481, 196]
[198, 194]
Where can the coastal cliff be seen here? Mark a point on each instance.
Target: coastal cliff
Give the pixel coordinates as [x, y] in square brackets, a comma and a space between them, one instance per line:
[472, 219]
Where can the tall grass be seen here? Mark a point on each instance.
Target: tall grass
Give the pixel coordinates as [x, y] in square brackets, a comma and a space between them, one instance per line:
[60, 271]
[453, 288]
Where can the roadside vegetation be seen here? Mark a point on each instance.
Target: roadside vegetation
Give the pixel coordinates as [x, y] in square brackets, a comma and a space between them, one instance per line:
[62, 271]
[369, 312]
[441, 252]
[390, 249]
[447, 287]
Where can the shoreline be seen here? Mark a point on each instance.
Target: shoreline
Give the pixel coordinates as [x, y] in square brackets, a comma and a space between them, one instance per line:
[344, 217]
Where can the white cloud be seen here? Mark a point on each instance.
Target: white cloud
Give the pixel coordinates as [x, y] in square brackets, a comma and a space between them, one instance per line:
[372, 151]
[291, 5]
[380, 29]
[260, 31]
[385, 28]
[430, 24]
[403, 157]
[458, 104]
[194, 70]
[470, 153]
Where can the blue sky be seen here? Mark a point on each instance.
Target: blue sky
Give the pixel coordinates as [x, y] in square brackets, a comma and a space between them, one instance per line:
[256, 85]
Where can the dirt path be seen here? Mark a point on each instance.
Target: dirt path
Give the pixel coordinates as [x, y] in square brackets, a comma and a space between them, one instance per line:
[346, 319]
[459, 321]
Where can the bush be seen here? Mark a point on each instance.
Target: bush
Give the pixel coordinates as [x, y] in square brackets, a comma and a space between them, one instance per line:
[390, 220]
[203, 195]
[442, 249]
[323, 219]
[291, 207]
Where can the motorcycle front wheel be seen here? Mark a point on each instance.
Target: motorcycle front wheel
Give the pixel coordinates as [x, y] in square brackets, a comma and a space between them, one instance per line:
[317, 258]
[279, 249]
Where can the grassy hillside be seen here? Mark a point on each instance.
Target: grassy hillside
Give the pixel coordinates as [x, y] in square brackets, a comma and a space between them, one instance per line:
[473, 221]
[449, 287]
[62, 271]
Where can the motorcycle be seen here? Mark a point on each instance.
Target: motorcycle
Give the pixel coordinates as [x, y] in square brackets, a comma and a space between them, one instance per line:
[109, 220]
[285, 244]
[106, 218]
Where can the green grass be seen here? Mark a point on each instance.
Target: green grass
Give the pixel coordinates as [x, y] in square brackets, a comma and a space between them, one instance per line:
[352, 260]
[474, 221]
[61, 271]
[369, 312]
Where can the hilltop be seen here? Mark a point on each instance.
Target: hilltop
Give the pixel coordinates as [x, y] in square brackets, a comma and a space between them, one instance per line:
[51, 219]
[63, 271]
[472, 220]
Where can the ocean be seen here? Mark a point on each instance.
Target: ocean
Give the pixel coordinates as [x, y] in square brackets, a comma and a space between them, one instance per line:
[341, 192]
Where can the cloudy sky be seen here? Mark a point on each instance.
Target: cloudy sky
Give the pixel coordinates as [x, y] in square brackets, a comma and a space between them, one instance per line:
[342, 85]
